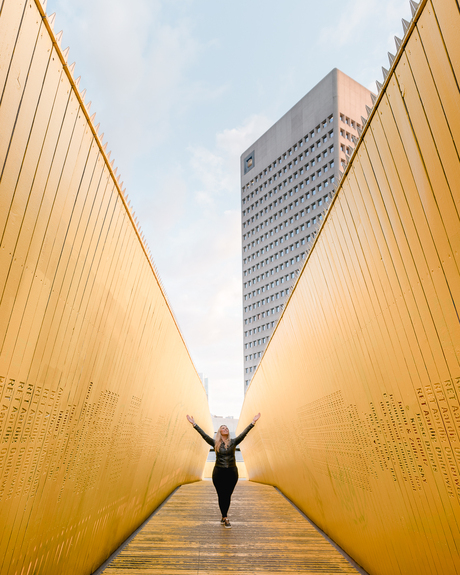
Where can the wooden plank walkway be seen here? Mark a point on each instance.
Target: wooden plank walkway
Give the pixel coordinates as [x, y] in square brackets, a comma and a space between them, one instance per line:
[268, 536]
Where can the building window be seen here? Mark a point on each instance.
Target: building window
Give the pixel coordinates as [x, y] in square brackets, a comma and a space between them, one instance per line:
[249, 163]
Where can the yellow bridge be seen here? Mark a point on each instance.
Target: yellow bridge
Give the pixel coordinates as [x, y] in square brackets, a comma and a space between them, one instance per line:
[360, 381]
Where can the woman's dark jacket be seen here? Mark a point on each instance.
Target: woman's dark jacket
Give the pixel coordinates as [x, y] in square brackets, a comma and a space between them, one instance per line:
[225, 457]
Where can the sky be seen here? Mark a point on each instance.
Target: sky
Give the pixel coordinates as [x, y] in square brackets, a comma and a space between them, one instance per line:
[181, 88]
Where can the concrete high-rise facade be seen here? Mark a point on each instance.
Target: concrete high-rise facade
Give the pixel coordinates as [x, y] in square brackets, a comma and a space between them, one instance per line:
[287, 179]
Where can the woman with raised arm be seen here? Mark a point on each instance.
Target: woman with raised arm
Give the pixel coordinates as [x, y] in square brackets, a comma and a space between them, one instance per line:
[225, 473]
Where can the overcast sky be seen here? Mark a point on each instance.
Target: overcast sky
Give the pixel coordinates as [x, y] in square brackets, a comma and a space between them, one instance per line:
[181, 88]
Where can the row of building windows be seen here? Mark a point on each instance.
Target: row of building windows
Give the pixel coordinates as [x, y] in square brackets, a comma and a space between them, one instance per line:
[286, 250]
[346, 149]
[268, 273]
[306, 167]
[256, 342]
[299, 200]
[272, 284]
[263, 327]
[263, 314]
[349, 122]
[348, 136]
[252, 356]
[262, 340]
[311, 207]
[285, 238]
[286, 264]
[317, 174]
[292, 165]
[267, 299]
[308, 137]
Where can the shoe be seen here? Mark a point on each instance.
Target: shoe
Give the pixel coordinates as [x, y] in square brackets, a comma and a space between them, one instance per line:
[227, 524]
[222, 521]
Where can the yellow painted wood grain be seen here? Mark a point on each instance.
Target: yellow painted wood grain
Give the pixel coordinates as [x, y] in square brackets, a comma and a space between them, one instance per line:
[360, 384]
[95, 378]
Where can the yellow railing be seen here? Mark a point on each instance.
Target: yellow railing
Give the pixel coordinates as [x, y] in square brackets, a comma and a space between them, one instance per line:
[359, 387]
[95, 378]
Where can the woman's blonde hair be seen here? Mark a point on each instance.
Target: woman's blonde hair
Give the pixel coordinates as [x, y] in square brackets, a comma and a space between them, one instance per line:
[218, 440]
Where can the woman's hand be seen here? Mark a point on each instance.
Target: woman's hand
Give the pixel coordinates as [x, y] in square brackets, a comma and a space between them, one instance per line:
[192, 421]
[256, 417]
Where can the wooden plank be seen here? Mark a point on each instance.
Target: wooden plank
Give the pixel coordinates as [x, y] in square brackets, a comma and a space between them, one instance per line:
[448, 16]
[11, 15]
[268, 536]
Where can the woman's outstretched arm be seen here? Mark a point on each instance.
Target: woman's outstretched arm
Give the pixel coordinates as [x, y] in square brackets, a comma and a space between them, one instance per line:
[243, 434]
[204, 435]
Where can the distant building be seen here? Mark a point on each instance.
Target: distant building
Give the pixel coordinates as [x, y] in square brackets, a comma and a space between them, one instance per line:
[229, 421]
[288, 177]
[204, 381]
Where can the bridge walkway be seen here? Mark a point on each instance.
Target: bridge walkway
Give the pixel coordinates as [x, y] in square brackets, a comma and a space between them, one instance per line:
[269, 536]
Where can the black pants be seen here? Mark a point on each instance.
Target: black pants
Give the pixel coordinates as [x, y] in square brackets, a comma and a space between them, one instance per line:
[224, 479]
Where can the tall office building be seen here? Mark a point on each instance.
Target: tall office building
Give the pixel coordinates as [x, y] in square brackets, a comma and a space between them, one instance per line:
[287, 180]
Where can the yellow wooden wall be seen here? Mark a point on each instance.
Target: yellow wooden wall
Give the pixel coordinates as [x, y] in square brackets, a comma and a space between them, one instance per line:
[359, 387]
[95, 379]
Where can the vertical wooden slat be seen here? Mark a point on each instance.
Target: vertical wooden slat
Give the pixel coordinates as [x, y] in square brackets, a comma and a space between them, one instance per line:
[95, 379]
[364, 365]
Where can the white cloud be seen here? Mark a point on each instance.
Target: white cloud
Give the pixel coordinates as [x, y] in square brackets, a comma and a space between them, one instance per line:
[234, 141]
[165, 205]
[208, 167]
[138, 68]
[358, 16]
[199, 257]
[218, 170]
[354, 15]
